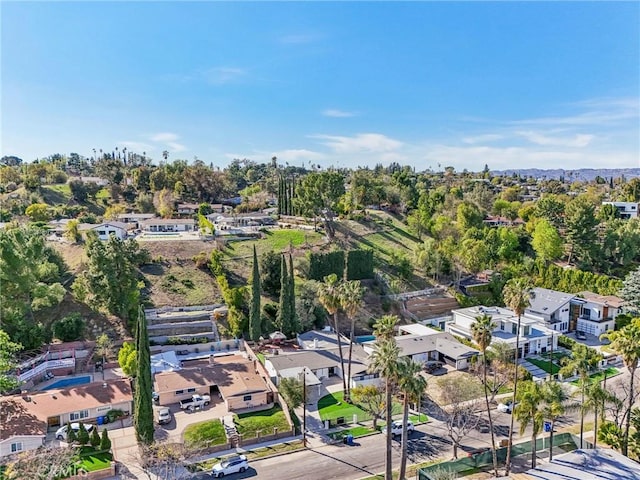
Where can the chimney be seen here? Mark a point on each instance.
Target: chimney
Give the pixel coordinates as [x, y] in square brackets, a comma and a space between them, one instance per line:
[315, 343]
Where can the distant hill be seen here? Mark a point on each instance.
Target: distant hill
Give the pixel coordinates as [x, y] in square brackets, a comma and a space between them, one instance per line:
[576, 174]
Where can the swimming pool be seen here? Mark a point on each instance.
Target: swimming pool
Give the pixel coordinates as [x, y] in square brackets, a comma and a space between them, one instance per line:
[365, 338]
[69, 382]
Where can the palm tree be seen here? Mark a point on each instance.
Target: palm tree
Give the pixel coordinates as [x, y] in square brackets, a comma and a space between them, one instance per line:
[529, 412]
[351, 297]
[626, 342]
[596, 398]
[482, 332]
[583, 362]
[517, 296]
[384, 361]
[385, 326]
[329, 296]
[412, 385]
[555, 405]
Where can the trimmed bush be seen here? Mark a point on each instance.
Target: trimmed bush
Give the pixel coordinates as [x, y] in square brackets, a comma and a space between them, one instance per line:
[324, 264]
[359, 264]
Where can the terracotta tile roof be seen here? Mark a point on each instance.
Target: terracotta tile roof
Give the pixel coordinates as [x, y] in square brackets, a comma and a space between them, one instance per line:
[607, 300]
[27, 415]
[234, 375]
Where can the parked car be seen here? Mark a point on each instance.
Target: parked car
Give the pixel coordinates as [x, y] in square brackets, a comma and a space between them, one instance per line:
[581, 335]
[164, 415]
[506, 407]
[61, 433]
[231, 465]
[196, 401]
[432, 365]
[396, 428]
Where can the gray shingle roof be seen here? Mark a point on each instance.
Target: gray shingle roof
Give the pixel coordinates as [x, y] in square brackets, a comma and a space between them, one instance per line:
[548, 301]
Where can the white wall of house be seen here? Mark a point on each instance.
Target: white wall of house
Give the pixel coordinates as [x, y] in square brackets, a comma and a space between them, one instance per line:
[597, 311]
[20, 443]
[420, 357]
[594, 328]
[90, 414]
[365, 379]
[105, 231]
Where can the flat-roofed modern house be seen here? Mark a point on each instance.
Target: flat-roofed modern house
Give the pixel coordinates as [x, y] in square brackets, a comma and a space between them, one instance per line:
[626, 210]
[240, 220]
[25, 419]
[439, 346]
[232, 377]
[135, 218]
[168, 225]
[535, 336]
[106, 230]
[597, 312]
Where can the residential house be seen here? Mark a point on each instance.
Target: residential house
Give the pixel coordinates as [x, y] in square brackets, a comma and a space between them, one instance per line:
[626, 210]
[240, 220]
[597, 313]
[164, 225]
[320, 339]
[433, 345]
[534, 335]
[25, 419]
[106, 230]
[135, 218]
[232, 378]
[494, 221]
[554, 308]
[188, 208]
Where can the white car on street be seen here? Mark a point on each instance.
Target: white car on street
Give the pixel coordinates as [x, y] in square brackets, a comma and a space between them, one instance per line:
[231, 465]
[506, 407]
[61, 433]
[396, 428]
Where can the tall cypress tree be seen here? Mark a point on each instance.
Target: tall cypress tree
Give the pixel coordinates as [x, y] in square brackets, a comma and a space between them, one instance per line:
[284, 312]
[142, 402]
[292, 299]
[255, 325]
[280, 196]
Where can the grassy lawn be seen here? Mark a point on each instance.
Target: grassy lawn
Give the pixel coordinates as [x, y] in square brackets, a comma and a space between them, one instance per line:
[544, 365]
[253, 454]
[280, 239]
[91, 460]
[598, 377]
[210, 432]
[264, 421]
[333, 406]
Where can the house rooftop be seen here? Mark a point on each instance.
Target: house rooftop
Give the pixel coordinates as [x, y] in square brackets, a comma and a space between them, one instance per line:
[233, 374]
[545, 301]
[442, 342]
[417, 329]
[606, 300]
[317, 359]
[323, 340]
[141, 216]
[169, 221]
[28, 414]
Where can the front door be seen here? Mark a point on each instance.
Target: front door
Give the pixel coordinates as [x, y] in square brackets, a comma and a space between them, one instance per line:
[53, 422]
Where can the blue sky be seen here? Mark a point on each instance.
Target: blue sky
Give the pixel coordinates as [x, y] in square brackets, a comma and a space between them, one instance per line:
[512, 85]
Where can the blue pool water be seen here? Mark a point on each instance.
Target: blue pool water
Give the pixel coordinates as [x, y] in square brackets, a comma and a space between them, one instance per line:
[68, 382]
[365, 338]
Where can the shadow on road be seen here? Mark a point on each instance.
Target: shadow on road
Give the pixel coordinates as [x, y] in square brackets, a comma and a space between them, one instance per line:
[345, 462]
[249, 473]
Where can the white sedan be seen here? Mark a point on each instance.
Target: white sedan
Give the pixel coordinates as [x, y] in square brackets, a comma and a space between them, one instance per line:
[236, 464]
[506, 407]
[61, 433]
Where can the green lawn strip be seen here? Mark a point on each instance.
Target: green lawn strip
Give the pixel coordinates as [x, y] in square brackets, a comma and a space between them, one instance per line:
[358, 431]
[598, 377]
[333, 406]
[92, 460]
[210, 432]
[264, 421]
[261, 452]
[544, 365]
[260, 357]
[417, 419]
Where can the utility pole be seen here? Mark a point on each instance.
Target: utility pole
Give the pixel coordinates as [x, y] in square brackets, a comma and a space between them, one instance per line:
[304, 407]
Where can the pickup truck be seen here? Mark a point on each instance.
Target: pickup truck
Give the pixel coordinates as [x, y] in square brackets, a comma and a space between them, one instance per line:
[196, 401]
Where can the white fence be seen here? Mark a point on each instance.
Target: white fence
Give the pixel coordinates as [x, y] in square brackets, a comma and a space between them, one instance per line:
[46, 365]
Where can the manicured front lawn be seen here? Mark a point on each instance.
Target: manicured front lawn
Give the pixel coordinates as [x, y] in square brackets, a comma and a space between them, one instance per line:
[333, 406]
[598, 377]
[264, 421]
[210, 432]
[551, 368]
[92, 460]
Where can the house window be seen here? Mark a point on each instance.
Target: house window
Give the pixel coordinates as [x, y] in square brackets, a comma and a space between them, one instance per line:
[79, 415]
[586, 312]
[179, 392]
[101, 233]
[246, 398]
[514, 328]
[191, 390]
[527, 330]
[16, 447]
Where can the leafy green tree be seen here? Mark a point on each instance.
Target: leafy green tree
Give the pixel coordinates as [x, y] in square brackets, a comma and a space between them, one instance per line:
[8, 350]
[128, 358]
[529, 412]
[583, 362]
[284, 319]
[317, 195]
[270, 273]
[468, 215]
[626, 342]
[482, 332]
[71, 230]
[30, 272]
[611, 434]
[517, 295]
[72, 436]
[83, 435]
[596, 399]
[630, 292]
[351, 296]
[329, 296]
[551, 207]
[581, 223]
[371, 399]
[294, 326]
[105, 442]
[384, 361]
[412, 385]
[94, 439]
[142, 401]
[546, 241]
[69, 328]
[104, 347]
[38, 212]
[111, 280]
[292, 391]
[255, 321]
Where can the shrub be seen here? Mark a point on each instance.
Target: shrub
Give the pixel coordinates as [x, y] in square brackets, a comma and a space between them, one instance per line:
[69, 328]
[83, 435]
[94, 440]
[324, 264]
[71, 434]
[105, 443]
[566, 342]
[359, 264]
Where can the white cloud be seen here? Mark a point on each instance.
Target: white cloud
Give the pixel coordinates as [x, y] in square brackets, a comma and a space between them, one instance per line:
[362, 142]
[489, 137]
[331, 112]
[576, 141]
[176, 147]
[164, 137]
[296, 155]
[223, 75]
